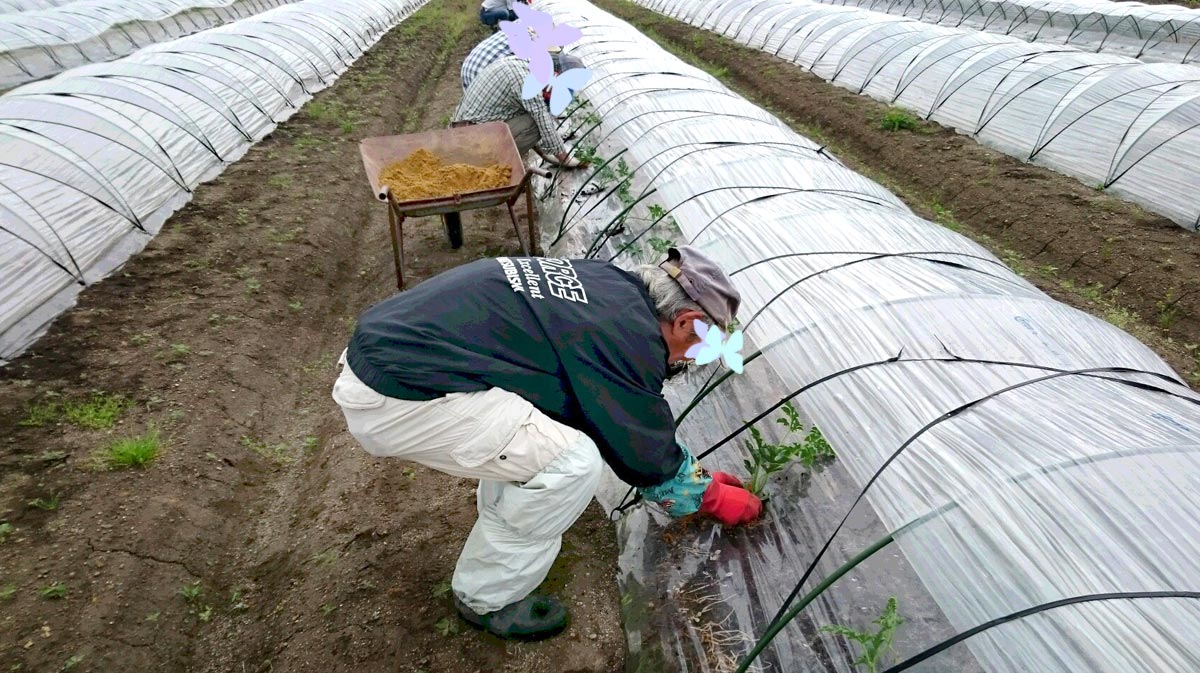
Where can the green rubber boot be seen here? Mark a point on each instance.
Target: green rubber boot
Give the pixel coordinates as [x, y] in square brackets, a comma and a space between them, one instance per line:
[532, 618]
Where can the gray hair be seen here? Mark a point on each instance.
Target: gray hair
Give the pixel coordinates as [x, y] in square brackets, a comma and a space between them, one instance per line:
[668, 296]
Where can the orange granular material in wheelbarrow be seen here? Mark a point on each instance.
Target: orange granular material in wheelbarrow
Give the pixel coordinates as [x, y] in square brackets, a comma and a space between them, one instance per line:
[423, 175]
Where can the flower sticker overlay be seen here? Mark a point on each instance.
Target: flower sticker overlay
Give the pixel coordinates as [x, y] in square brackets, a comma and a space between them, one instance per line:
[531, 37]
[713, 345]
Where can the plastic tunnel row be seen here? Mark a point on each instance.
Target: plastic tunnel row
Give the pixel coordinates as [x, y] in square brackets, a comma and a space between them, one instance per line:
[14, 6]
[99, 157]
[1110, 121]
[1018, 474]
[38, 44]
[1149, 32]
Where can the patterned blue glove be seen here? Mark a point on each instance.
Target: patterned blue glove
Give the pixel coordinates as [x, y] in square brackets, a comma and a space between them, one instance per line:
[681, 495]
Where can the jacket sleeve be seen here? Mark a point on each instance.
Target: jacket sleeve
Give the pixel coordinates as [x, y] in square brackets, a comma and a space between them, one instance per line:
[547, 131]
[631, 424]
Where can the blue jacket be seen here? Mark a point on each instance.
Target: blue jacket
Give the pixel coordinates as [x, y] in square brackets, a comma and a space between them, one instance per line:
[579, 339]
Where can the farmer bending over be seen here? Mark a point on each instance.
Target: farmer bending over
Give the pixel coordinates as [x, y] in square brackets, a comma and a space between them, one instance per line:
[487, 52]
[492, 12]
[495, 95]
[495, 47]
[526, 373]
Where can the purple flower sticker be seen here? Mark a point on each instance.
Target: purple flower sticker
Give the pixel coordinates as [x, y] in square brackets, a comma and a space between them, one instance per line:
[713, 345]
[563, 87]
[533, 35]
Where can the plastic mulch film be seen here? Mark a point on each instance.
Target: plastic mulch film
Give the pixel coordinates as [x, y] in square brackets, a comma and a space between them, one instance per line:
[1165, 33]
[97, 158]
[1020, 476]
[38, 43]
[1112, 122]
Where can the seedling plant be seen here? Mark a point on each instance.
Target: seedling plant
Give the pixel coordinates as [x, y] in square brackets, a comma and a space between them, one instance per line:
[659, 214]
[191, 592]
[447, 626]
[767, 459]
[45, 504]
[660, 245]
[237, 602]
[53, 592]
[875, 645]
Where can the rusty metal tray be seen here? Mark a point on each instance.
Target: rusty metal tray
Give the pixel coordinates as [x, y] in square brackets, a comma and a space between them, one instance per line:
[478, 145]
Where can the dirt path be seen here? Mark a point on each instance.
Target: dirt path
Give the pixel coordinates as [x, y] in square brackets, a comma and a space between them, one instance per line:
[1083, 247]
[263, 538]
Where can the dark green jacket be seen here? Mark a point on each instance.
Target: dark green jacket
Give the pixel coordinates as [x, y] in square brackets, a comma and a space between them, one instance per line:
[579, 339]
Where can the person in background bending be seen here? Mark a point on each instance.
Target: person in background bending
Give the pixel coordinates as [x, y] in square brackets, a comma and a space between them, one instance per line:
[492, 12]
[495, 95]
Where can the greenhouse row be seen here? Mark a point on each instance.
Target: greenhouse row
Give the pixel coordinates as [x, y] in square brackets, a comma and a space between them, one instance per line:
[1012, 541]
[1112, 122]
[1165, 33]
[15, 6]
[41, 43]
[100, 156]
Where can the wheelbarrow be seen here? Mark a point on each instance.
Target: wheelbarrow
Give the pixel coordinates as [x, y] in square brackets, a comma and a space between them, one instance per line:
[478, 145]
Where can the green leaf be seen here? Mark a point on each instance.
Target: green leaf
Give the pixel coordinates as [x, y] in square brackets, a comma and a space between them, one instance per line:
[846, 632]
[874, 645]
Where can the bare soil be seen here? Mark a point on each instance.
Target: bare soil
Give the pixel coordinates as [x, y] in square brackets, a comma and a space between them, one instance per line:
[1083, 247]
[309, 555]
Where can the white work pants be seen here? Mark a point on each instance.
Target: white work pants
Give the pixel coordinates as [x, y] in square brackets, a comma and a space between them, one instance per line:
[536, 476]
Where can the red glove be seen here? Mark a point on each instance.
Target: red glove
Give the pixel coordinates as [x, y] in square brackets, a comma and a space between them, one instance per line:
[731, 505]
[726, 478]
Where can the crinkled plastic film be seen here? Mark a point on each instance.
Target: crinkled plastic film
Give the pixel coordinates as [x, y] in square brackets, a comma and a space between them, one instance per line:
[1022, 473]
[1165, 33]
[1113, 122]
[97, 158]
[41, 42]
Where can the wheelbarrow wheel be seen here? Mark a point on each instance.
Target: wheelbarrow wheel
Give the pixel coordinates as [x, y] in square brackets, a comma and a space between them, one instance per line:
[453, 222]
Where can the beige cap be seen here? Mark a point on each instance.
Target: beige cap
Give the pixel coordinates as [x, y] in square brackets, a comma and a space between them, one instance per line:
[705, 283]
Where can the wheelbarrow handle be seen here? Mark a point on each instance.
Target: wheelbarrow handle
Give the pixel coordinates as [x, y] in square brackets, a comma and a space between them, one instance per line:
[539, 171]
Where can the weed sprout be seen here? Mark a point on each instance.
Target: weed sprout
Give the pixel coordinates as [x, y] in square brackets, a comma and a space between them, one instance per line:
[896, 119]
[133, 451]
[53, 592]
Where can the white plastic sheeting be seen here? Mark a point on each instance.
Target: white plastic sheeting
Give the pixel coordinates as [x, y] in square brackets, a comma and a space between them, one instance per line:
[38, 44]
[15, 6]
[1149, 32]
[1035, 465]
[97, 158]
[1113, 122]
